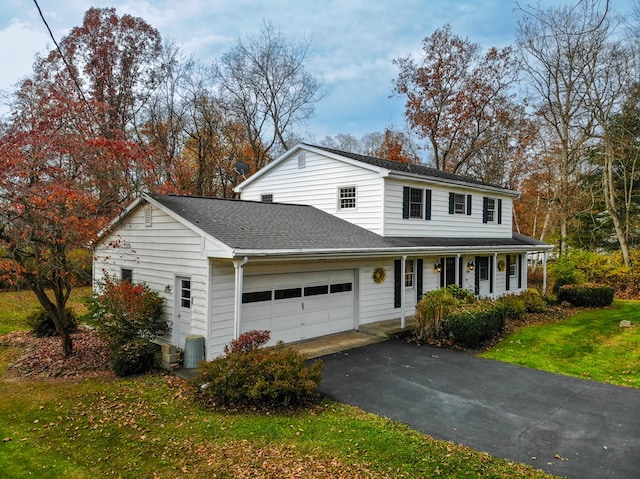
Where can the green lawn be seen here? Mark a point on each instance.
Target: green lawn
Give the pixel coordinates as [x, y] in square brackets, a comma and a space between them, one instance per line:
[15, 306]
[590, 344]
[147, 427]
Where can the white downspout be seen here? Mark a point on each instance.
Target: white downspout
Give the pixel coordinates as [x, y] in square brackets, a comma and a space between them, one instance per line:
[403, 268]
[237, 309]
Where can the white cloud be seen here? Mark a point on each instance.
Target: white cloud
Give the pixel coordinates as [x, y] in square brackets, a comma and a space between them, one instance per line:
[19, 42]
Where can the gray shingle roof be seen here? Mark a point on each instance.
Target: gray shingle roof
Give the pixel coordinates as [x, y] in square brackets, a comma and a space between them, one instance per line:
[251, 225]
[407, 167]
[270, 226]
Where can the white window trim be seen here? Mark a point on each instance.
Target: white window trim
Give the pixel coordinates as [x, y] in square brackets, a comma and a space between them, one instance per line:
[455, 204]
[493, 210]
[410, 273]
[340, 198]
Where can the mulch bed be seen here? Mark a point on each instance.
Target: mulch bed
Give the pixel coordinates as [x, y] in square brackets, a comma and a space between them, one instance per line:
[43, 358]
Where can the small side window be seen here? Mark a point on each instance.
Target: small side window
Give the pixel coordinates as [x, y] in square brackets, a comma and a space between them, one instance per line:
[266, 198]
[126, 275]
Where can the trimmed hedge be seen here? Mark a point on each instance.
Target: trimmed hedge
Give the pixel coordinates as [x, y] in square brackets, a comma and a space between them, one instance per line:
[587, 295]
[249, 376]
[476, 323]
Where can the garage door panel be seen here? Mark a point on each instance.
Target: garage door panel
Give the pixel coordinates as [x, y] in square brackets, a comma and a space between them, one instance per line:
[300, 305]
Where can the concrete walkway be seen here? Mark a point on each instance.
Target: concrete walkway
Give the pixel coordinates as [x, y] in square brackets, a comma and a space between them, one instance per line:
[368, 334]
[566, 426]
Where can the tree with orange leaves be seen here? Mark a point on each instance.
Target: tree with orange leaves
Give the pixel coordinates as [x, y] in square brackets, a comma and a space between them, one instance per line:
[59, 185]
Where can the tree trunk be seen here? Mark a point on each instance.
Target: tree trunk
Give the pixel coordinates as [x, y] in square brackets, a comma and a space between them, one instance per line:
[612, 206]
[58, 314]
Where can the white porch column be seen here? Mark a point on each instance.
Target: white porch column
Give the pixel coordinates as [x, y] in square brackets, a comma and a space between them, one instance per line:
[237, 294]
[494, 275]
[403, 272]
[458, 278]
[544, 273]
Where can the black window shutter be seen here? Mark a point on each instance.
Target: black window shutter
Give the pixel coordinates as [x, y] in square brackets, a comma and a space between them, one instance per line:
[427, 205]
[460, 262]
[405, 202]
[499, 211]
[485, 206]
[397, 284]
[469, 200]
[519, 271]
[452, 207]
[508, 286]
[443, 269]
[419, 274]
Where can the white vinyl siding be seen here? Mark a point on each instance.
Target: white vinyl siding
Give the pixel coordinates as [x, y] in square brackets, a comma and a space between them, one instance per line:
[442, 224]
[318, 185]
[157, 254]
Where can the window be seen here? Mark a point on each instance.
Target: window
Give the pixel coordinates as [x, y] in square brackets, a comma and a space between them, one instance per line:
[185, 293]
[415, 203]
[513, 269]
[341, 288]
[408, 274]
[316, 290]
[288, 293]
[413, 200]
[256, 297]
[266, 198]
[347, 197]
[458, 204]
[490, 210]
[126, 275]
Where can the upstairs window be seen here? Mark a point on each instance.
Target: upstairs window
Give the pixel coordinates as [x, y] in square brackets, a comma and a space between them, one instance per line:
[459, 204]
[347, 197]
[492, 210]
[416, 202]
[266, 198]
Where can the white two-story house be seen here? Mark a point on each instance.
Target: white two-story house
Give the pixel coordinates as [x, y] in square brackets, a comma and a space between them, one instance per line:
[320, 241]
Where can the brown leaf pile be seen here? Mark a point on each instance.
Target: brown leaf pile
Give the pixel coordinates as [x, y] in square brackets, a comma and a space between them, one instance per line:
[43, 358]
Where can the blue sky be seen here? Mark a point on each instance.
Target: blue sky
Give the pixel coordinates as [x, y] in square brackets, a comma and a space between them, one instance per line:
[353, 41]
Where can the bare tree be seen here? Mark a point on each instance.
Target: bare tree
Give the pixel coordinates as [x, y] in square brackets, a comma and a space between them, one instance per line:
[554, 44]
[264, 81]
[456, 96]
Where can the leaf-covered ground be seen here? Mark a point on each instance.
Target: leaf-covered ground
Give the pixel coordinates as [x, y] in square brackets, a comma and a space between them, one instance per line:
[42, 357]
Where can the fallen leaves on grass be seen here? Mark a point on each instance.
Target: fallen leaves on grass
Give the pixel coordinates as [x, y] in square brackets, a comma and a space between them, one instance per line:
[42, 357]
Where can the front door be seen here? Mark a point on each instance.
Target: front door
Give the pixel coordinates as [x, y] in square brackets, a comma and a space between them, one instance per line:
[183, 300]
[483, 276]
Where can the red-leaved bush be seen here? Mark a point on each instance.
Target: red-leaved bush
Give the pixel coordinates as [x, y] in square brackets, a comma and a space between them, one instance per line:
[124, 312]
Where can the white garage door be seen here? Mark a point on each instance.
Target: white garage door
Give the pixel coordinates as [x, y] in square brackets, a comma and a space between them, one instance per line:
[299, 306]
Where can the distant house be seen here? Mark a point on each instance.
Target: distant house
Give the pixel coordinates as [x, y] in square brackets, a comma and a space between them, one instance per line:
[322, 241]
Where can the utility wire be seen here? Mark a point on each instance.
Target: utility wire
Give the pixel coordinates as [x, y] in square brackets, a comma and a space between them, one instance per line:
[70, 70]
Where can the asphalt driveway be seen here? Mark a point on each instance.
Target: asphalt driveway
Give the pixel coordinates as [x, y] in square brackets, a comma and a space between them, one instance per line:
[566, 426]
